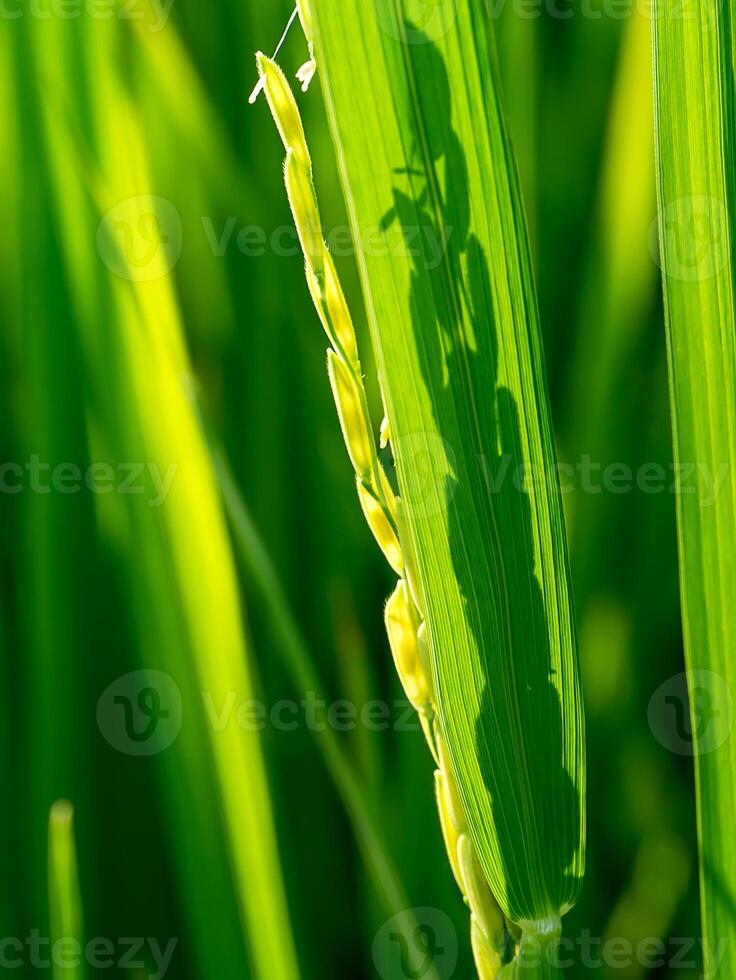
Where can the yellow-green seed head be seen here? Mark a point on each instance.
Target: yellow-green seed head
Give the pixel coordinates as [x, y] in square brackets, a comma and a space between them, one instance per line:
[305, 16]
[425, 658]
[402, 624]
[488, 961]
[449, 832]
[475, 887]
[284, 109]
[454, 807]
[332, 308]
[385, 434]
[409, 560]
[380, 525]
[317, 292]
[303, 201]
[342, 322]
[353, 422]
[386, 492]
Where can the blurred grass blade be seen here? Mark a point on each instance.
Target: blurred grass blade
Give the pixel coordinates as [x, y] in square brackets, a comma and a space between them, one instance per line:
[696, 156]
[300, 666]
[425, 158]
[54, 607]
[173, 545]
[619, 287]
[292, 646]
[65, 907]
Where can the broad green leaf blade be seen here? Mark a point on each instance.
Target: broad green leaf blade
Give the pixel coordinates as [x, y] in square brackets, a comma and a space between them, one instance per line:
[439, 230]
[696, 147]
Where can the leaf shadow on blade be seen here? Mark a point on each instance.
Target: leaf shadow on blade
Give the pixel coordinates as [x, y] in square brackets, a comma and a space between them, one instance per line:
[457, 345]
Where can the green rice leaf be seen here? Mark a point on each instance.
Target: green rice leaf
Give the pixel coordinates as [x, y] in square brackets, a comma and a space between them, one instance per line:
[433, 198]
[696, 146]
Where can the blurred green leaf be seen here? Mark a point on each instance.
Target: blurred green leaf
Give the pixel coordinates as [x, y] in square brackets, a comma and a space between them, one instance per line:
[64, 900]
[171, 536]
[696, 148]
